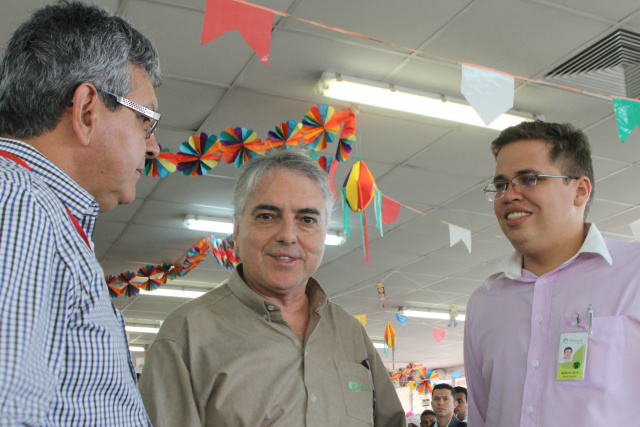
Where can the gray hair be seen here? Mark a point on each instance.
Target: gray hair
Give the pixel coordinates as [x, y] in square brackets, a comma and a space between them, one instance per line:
[295, 160]
[60, 47]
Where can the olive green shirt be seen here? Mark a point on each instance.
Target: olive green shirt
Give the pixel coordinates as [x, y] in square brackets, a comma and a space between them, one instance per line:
[228, 359]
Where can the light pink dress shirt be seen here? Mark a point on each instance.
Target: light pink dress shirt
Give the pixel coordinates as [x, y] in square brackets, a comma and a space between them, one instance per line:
[512, 338]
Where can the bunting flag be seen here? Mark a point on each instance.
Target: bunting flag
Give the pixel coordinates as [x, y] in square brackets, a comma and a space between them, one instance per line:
[362, 318]
[457, 234]
[253, 24]
[489, 93]
[627, 116]
[438, 334]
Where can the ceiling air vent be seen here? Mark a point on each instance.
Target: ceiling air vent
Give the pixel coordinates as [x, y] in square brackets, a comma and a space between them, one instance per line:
[611, 67]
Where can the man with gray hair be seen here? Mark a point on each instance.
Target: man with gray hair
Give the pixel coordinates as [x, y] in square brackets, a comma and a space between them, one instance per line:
[269, 339]
[71, 145]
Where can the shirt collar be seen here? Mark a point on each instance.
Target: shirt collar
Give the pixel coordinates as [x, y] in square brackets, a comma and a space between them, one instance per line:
[315, 293]
[594, 243]
[74, 197]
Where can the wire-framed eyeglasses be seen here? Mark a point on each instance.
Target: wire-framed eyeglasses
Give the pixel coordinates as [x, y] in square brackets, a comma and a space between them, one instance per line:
[154, 117]
[524, 181]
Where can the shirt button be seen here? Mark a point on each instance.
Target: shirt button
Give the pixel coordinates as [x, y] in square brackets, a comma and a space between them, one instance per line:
[270, 308]
[539, 318]
[529, 409]
[534, 363]
[313, 398]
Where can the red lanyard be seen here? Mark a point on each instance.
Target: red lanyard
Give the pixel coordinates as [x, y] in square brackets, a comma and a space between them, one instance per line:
[73, 219]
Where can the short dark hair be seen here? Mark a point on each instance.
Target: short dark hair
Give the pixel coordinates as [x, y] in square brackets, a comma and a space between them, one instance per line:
[568, 348]
[459, 389]
[59, 48]
[445, 386]
[427, 412]
[569, 147]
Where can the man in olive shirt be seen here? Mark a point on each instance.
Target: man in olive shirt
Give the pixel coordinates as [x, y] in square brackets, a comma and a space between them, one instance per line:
[268, 348]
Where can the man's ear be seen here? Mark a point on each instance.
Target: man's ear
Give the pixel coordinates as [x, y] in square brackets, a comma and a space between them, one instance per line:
[85, 114]
[583, 191]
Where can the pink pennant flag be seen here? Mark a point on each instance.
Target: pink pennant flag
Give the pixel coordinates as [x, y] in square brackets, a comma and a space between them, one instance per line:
[438, 334]
[253, 24]
[390, 210]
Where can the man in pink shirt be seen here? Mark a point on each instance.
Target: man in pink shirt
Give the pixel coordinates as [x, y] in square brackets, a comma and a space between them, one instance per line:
[563, 285]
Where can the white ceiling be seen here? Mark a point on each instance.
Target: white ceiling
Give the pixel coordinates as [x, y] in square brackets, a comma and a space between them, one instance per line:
[436, 168]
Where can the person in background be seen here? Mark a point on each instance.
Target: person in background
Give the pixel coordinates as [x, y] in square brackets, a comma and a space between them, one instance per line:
[270, 336]
[71, 145]
[427, 418]
[563, 283]
[461, 398]
[413, 421]
[443, 401]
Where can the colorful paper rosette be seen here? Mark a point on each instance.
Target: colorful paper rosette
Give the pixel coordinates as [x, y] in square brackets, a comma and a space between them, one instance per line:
[164, 164]
[318, 127]
[323, 161]
[347, 138]
[198, 155]
[131, 289]
[115, 288]
[240, 144]
[424, 380]
[154, 278]
[286, 135]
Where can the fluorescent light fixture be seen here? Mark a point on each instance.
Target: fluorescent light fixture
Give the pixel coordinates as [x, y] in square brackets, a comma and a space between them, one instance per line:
[220, 225]
[172, 293]
[385, 95]
[134, 348]
[143, 329]
[213, 225]
[428, 314]
[378, 344]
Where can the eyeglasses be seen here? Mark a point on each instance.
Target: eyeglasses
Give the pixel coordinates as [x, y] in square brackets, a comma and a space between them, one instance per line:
[524, 181]
[150, 114]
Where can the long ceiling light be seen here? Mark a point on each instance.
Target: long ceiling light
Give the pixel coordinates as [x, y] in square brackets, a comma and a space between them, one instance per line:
[385, 95]
[428, 314]
[221, 225]
[141, 329]
[172, 293]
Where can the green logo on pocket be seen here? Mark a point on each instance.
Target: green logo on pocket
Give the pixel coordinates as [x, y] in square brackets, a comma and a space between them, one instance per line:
[576, 365]
[355, 387]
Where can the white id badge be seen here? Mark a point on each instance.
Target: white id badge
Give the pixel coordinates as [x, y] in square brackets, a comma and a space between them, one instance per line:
[572, 355]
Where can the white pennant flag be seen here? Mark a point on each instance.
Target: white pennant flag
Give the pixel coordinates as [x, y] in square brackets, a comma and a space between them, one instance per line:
[488, 92]
[457, 234]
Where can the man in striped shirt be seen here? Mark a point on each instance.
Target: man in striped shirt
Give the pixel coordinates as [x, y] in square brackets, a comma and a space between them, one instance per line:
[71, 145]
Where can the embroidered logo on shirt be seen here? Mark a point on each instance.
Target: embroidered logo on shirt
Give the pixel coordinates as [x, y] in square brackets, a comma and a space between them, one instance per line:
[355, 387]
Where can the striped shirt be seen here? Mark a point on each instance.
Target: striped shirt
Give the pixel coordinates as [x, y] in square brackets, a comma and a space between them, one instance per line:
[64, 358]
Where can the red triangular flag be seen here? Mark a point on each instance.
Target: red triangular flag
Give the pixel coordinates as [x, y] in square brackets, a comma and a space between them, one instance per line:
[438, 334]
[390, 210]
[253, 24]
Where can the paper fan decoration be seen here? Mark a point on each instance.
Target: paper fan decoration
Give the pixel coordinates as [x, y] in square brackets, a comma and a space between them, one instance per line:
[358, 191]
[198, 155]
[318, 127]
[286, 135]
[390, 341]
[240, 144]
[164, 164]
[131, 289]
[347, 138]
[115, 289]
[154, 277]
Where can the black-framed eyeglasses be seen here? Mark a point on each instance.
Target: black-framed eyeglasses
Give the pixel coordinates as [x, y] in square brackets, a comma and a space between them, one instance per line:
[528, 180]
[153, 116]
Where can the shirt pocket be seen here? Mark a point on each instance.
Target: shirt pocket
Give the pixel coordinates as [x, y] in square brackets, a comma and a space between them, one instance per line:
[357, 390]
[605, 353]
